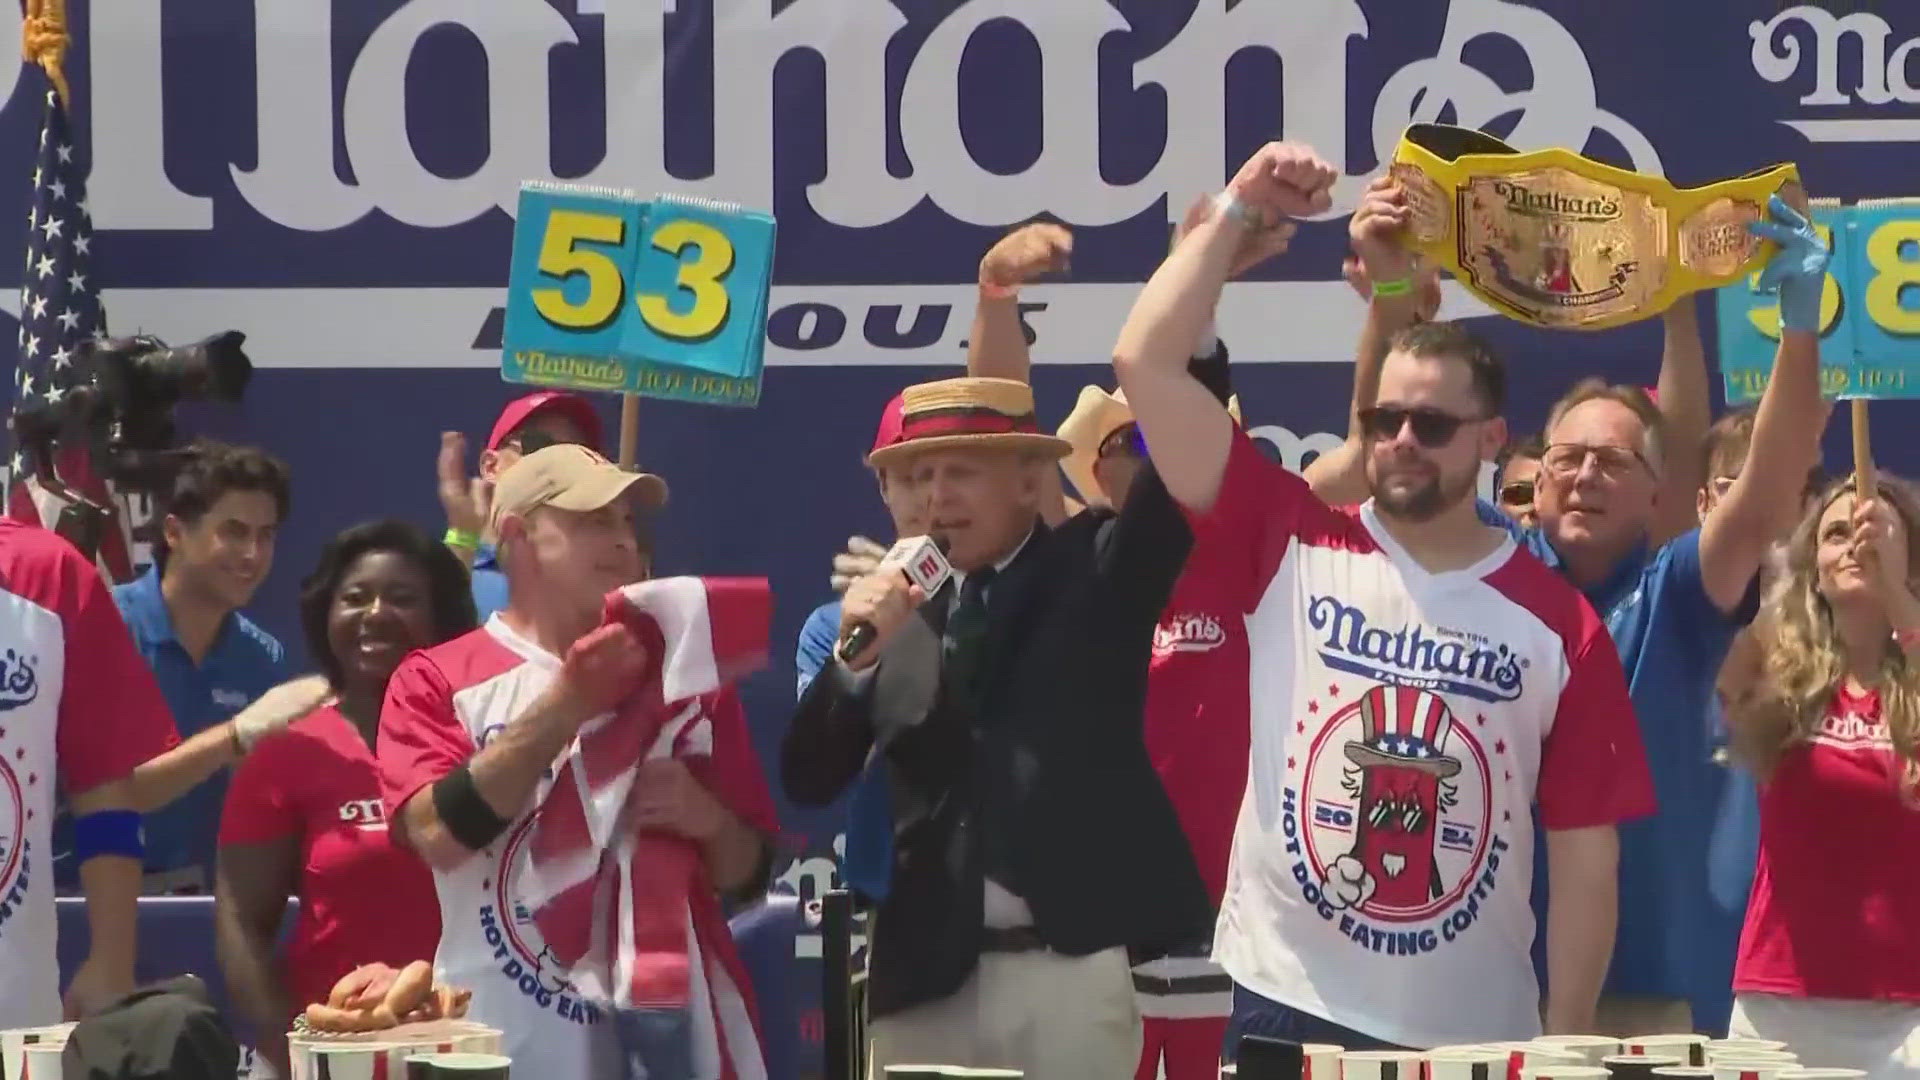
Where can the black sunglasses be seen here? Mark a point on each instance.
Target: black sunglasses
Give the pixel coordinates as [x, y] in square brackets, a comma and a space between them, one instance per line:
[1432, 428]
[1518, 493]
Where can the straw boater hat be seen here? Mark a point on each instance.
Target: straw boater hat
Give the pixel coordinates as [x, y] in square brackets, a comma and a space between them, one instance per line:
[963, 414]
[1095, 416]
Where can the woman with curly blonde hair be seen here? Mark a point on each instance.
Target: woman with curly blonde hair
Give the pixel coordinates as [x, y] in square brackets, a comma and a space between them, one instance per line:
[1830, 954]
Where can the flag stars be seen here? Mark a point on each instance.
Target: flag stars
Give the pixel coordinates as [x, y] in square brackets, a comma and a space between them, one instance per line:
[82, 243]
[69, 319]
[44, 267]
[76, 281]
[62, 358]
[33, 349]
[39, 306]
[65, 151]
[52, 226]
[58, 188]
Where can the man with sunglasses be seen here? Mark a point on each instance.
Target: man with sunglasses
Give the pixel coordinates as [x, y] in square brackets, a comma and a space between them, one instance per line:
[1414, 681]
[1517, 469]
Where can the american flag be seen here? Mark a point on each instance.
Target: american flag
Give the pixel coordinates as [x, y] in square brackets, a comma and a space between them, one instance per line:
[59, 311]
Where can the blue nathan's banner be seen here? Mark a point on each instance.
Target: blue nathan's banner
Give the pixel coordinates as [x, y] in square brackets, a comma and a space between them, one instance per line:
[1869, 308]
[340, 181]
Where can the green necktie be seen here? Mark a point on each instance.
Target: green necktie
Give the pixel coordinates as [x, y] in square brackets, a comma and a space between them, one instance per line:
[964, 644]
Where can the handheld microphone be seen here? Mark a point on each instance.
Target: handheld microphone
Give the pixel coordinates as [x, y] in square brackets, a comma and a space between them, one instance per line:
[922, 560]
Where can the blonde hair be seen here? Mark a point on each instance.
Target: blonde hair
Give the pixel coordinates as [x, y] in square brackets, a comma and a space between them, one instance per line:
[1804, 660]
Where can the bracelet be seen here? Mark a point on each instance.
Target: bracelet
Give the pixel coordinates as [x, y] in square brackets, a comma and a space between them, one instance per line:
[995, 291]
[460, 538]
[1397, 287]
[1227, 204]
[233, 736]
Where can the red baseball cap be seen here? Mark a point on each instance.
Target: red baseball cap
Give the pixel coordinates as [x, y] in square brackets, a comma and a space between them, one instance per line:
[574, 408]
[890, 422]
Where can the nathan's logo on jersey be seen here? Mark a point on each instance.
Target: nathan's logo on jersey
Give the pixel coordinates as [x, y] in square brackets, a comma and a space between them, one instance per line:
[19, 679]
[1454, 663]
[1389, 818]
[1184, 632]
[364, 813]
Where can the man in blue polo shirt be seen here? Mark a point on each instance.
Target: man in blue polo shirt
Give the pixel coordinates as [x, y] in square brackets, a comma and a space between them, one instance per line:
[866, 866]
[223, 517]
[526, 424]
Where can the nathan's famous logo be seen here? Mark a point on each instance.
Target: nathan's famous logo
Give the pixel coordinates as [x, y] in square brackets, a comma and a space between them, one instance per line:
[1183, 632]
[1524, 200]
[19, 679]
[1390, 821]
[580, 372]
[520, 953]
[1413, 656]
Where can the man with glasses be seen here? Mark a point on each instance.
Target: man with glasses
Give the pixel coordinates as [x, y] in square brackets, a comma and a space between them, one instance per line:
[1415, 681]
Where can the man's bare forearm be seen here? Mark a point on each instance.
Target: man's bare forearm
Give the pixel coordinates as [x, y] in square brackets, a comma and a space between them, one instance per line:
[1339, 477]
[506, 773]
[1583, 911]
[157, 782]
[997, 346]
[1176, 307]
[1686, 410]
[111, 883]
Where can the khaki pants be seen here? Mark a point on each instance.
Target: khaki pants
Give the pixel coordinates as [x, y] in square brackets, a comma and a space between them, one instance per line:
[1050, 1016]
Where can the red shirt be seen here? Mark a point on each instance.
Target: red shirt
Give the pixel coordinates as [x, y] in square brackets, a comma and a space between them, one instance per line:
[363, 899]
[1196, 729]
[1835, 911]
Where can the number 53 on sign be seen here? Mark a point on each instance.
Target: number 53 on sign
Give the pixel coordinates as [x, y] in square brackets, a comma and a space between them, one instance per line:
[662, 298]
[1869, 310]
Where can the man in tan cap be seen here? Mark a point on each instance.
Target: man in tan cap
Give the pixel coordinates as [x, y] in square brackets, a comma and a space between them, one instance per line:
[471, 730]
[1033, 842]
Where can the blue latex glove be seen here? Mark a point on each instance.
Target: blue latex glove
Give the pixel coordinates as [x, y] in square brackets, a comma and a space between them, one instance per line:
[1798, 271]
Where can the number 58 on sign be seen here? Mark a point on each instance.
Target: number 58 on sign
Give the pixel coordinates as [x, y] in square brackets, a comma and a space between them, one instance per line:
[663, 298]
[1869, 309]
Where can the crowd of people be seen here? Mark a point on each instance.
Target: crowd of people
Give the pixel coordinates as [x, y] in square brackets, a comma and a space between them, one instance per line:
[1190, 748]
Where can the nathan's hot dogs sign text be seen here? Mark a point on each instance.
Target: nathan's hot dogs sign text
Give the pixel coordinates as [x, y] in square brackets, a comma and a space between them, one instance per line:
[664, 298]
[1869, 309]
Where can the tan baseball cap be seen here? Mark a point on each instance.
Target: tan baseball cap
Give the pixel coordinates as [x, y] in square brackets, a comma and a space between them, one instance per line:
[570, 477]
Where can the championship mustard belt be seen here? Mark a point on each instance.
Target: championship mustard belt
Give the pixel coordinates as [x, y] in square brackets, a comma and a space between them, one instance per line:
[1555, 240]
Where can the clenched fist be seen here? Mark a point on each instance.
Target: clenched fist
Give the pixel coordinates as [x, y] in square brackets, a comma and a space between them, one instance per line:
[1285, 180]
[600, 670]
[1026, 253]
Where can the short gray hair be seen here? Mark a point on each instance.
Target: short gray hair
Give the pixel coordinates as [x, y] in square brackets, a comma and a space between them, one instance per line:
[1632, 398]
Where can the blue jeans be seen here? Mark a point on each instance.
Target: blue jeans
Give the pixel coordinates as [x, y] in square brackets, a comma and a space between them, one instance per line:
[656, 1043]
[1256, 1015]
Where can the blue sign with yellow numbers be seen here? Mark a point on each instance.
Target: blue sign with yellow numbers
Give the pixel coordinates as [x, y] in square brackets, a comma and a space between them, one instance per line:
[663, 298]
[1869, 309]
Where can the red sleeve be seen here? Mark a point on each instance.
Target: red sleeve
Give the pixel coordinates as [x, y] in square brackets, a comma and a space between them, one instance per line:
[1259, 512]
[1593, 767]
[421, 739]
[738, 780]
[112, 717]
[260, 806]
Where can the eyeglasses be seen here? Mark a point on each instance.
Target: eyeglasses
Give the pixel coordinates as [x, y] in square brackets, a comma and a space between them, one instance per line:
[1518, 493]
[1123, 441]
[1432, 428]
[1565, 459]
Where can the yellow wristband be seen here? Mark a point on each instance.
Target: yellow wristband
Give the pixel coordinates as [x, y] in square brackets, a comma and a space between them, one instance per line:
[461, 538]
[1399, 287]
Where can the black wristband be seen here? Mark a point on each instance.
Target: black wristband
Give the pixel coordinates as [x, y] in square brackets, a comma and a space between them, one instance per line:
[1213, 373]
[464, 812]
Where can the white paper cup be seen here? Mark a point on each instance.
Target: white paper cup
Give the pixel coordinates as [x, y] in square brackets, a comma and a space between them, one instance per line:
[1379, 1065]
[1782, 1058]
[1320, 1061]
[1690, 1049]
[1525, 1055]
[357, 1061]
[1476, 1064]
[1594, 1048]
[41, 1061]
[1733, 1069]
[13, 1045]
[1683, 1072]
[1823, 1074]
[1744, 1044]
[1564, 1072]
[460, 1067]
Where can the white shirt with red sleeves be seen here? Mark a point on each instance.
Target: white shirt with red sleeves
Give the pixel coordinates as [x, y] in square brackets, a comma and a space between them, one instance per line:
[443, 704]
[76, 703]
[1403, 725]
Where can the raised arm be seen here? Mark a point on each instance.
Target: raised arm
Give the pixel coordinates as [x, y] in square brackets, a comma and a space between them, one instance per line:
[1406, 293]
[1686, 409]
[161, 780]
[997, 348]
[1187, 430]
[1786, 428]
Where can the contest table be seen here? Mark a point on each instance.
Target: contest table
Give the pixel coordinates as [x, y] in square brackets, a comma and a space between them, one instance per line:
[176, 937]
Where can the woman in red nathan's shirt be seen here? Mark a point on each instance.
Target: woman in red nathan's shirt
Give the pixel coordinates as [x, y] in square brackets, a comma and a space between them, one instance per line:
[1830, 955]
[303, 815]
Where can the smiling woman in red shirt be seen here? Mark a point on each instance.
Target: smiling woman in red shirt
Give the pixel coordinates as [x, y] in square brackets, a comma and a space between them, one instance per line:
[303, 816]
[1827, 958]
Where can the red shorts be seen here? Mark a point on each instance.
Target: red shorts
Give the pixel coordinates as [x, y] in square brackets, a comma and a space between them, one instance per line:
[1190, 1049]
